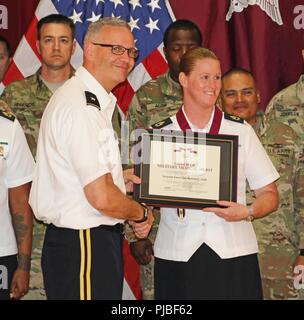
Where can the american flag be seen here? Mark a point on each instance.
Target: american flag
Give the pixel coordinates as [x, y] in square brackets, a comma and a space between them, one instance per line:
[148, 20]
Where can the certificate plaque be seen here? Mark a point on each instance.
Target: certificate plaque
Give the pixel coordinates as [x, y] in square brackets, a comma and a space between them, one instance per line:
[189, 170]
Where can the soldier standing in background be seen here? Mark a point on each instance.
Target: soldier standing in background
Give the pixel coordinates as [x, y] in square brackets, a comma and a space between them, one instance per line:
[287, 106]
[155, 101]
[28, 99]
[280, 235]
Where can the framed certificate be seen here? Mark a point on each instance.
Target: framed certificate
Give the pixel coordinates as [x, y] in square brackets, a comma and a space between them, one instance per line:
[188, 170]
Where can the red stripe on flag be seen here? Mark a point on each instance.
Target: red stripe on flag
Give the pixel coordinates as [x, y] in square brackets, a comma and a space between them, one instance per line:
[132, 272]
[31, 36]
[12, 74]
[155, 64]
[124, 94]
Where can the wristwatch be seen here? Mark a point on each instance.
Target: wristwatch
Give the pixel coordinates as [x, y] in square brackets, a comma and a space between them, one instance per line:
[250, 216]
[145, 216]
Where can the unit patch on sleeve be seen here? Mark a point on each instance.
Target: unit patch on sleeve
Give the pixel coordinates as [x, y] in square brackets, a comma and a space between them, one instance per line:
[92, 100]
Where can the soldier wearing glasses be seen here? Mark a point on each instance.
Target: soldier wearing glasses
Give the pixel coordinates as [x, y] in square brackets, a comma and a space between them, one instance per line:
[79, 188]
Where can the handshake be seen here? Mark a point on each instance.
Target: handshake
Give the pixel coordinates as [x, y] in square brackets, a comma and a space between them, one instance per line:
[141, 226]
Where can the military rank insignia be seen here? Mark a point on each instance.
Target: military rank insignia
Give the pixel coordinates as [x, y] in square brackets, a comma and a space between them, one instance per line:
[5, 111]
[92, 100]
[161, 124]
[233, 118]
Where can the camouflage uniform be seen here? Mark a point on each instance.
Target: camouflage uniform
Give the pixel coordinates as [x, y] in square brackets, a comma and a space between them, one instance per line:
[28, 99]
[287, 106]
[281, 234]
[155, 101]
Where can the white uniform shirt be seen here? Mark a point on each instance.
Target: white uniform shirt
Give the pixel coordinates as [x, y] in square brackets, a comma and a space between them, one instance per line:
[16, 169]
[178, 238]
[76, 146]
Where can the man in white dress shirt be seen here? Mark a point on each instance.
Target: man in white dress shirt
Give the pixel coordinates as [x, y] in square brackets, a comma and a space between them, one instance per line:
[79, 188]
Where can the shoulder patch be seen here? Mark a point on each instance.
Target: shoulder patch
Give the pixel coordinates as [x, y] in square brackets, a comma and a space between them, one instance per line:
[233, 118]
[92, 100]
[161, 124]
[5, 111]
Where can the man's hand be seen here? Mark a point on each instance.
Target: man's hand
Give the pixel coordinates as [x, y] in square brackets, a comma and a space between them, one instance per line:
[130, 178]
[20, 284]
[142, 251]
[142, 229]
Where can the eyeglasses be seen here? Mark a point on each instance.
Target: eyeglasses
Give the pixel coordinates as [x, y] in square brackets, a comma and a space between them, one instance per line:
[119, 50]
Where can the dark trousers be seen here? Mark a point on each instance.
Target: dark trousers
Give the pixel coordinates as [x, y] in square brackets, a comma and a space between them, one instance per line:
[8, 266]
[207, 276]
[83, 264]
